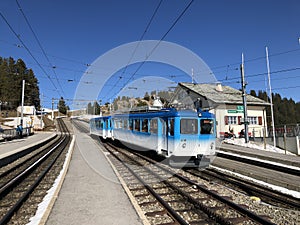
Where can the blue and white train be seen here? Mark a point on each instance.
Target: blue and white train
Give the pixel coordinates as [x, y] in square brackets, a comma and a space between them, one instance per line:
[185, 137]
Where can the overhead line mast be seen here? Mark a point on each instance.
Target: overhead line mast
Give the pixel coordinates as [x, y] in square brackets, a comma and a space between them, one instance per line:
[244, 101]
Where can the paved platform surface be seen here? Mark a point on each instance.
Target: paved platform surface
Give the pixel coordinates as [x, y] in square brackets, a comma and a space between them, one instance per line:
[9, 147]
[91, 192]
[290, 160]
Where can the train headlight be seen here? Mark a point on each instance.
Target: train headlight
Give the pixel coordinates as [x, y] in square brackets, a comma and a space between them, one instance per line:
[199, 114]
[183, 145]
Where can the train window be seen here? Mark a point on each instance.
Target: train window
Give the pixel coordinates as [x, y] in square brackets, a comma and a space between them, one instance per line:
[117, 123]
[137, 124]
[130, 124]
[125, 124]
[189, 126]
[171, 127]
[153, 126]
[106, 124]
[145, 125]
[207, 126]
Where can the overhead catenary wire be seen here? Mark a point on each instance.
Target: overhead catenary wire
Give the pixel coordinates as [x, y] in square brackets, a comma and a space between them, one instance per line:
[138, 43]
[40, 45]
[28, 50]
[161, 39]
[176, 75]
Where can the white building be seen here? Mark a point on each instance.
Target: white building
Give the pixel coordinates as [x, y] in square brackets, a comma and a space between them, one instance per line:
[227, 105]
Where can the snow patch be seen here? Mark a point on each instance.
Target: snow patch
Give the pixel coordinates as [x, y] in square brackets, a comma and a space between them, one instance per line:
[255, 145]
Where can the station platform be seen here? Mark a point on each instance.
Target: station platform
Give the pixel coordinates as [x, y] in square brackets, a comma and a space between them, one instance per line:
[17, 145]
[286, 159]
[91, 192]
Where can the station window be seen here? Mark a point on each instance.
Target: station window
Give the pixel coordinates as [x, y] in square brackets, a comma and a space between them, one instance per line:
[252, 120]
[137, 125]
[153, 126]
[207, 126]
[189, 126]
[145, 125]
[231, 120]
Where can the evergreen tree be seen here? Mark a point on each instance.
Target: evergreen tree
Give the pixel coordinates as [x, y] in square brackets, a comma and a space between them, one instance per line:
[11, 75]
[286, 111]
[62, 107]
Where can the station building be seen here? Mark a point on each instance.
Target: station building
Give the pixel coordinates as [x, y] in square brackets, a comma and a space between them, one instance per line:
[227, 105]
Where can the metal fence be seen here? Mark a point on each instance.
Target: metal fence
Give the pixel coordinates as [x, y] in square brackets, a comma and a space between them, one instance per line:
[291, 130]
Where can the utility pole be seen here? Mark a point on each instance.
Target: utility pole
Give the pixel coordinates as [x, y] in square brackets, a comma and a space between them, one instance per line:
[52, 109]
[22, 104]
[192, 75]
[42, 112]
[271, 98]
[244, 101]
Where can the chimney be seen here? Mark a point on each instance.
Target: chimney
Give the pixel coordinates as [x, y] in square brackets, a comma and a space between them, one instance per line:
[219, 87]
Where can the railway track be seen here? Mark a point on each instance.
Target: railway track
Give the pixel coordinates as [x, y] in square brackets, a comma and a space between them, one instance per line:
[250, 188]
[168, 197]
[284, 169]
[25, 181]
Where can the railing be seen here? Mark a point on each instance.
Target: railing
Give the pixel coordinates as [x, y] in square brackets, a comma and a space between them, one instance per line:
[290, 130]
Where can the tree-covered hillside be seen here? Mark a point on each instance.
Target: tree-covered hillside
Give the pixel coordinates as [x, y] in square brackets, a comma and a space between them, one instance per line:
[286, 111]
[11, 75]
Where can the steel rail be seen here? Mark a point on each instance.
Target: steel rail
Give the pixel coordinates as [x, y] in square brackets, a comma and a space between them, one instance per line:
[233, 205]
[251, 187]
[170, 210]
[60, 147]
[260, 164]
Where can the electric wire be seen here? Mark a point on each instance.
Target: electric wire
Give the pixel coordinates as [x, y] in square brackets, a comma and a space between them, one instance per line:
[177, 75]
[161, 39]
[28, 50]
[138, 43]
[40, 45]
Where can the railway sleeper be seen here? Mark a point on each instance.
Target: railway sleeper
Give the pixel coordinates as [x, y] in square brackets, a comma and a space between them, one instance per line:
[147, 203]
[155, 213]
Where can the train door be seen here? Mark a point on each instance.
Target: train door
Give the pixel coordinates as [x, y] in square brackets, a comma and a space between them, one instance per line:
[164, 136]
[170, 135]
[105, 128]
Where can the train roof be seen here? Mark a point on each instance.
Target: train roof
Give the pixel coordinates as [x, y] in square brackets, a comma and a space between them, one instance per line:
[100, 117]
[167, 112]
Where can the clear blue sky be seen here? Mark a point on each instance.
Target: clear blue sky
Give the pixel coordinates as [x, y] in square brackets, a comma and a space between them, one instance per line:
[75, 33]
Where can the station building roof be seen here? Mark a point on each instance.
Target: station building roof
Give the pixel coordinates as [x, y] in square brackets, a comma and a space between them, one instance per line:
[220, 94]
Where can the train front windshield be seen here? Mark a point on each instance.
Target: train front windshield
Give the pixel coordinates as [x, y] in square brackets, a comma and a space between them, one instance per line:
[207, 126]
